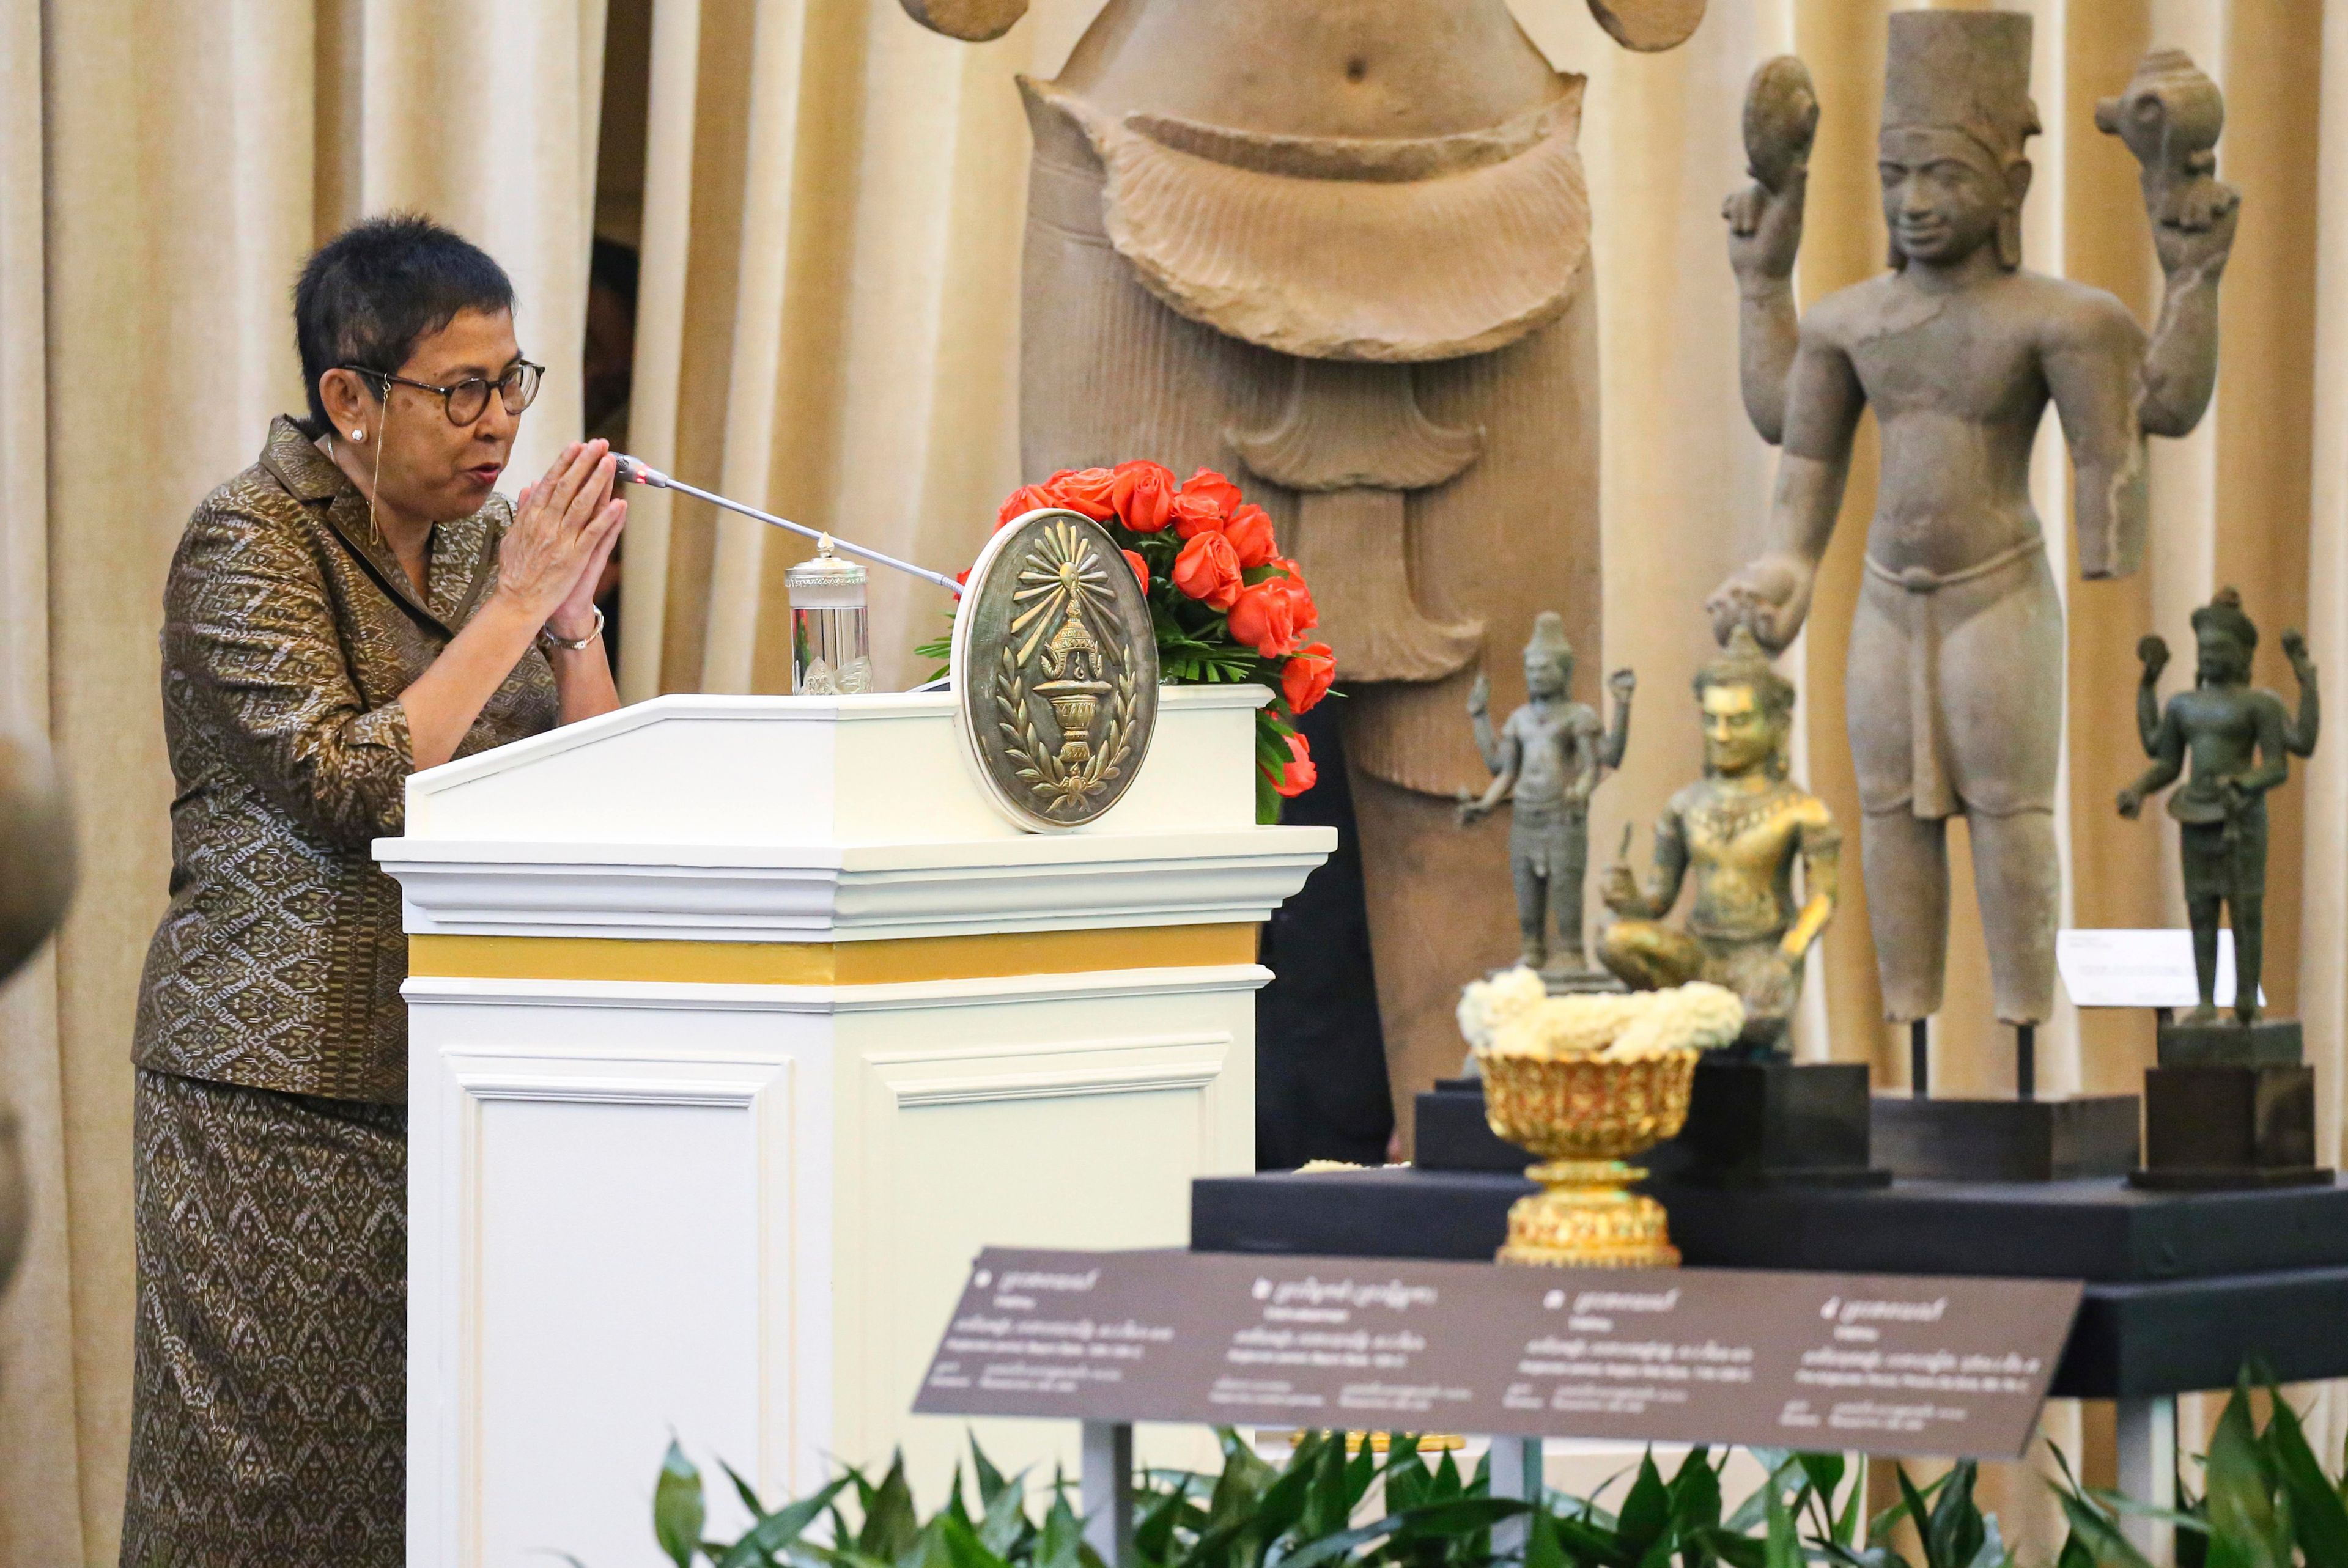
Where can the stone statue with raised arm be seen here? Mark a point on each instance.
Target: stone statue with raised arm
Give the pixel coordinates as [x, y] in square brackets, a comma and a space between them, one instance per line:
[1545, 761]
[1955, 668]
[2240, 741]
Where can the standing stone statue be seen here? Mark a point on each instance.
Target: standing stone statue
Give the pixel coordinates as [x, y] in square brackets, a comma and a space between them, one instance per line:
[1955, 669]
[2240, 741]
[1340, 249]
[1546, 761]
[1738, 832]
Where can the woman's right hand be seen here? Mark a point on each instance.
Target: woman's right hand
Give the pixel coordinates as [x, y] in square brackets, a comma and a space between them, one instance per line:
[559, 526]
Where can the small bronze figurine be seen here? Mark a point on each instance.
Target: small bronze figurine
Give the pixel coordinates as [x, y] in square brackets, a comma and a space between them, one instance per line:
[2241, 740]
[1546, 761]
[1739, 831]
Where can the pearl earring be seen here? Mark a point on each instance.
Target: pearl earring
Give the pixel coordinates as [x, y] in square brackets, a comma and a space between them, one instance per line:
[358, 434]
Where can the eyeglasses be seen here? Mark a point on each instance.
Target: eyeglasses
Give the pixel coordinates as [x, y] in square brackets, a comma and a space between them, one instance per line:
[468, 399]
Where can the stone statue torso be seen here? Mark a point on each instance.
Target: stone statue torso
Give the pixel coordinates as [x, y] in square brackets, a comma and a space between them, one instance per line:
[1958, 378]
[1314, 67]
[2220, 725]
[1545, 737]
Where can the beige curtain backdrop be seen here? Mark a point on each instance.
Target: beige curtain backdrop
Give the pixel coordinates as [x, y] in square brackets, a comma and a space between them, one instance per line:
[164, 167]
[829, 203]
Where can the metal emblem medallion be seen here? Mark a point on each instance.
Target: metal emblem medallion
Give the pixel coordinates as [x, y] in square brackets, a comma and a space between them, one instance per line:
[1054, 669]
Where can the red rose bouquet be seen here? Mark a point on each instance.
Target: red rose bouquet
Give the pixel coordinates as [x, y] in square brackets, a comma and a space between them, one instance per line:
[1227, 605]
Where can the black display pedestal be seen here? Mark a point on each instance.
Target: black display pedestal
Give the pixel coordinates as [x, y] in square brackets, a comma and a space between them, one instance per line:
[1750, 1124]
[1451, 1133]
[2230, 1106]
[2182, 1287]
[2006, 1140]
[1777, 1124]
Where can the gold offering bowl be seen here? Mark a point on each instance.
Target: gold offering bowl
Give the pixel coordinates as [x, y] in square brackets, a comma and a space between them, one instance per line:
[1586, 1115]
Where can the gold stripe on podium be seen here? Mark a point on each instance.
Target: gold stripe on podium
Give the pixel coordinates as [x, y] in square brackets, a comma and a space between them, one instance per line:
[996, 955]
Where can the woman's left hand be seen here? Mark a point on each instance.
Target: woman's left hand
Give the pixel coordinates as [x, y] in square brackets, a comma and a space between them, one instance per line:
[575, 618]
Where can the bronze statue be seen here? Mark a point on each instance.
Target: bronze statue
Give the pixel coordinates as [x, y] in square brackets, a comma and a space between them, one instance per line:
[2241, 740]
[1954, 673]
[1545, 761]
[1339, 250]
[1739, 832]
[37, 878]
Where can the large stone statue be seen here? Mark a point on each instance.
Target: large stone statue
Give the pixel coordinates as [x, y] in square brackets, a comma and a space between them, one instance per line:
[37, 878]
[2240, 742]
[1955, 669]
[1342, 245]
[1738, 832]
[1546, 762]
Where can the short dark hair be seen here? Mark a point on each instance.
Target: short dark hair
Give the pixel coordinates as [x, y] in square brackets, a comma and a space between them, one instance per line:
[375, 290]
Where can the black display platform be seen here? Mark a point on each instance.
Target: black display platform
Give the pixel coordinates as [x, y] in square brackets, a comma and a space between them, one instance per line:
[2134, 1340]
[2007, 1140]
[2181, 1288]
[1777, 1124]
[2219, 1126]
[2102, 1230]
[1449, 1132]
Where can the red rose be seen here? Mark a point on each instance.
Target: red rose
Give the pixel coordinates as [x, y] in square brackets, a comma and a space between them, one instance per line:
[1143, 493]
[1196, 515]
[1305, 679]
[1087, 490]
[1307, 614]
[1207, 570]
[1298, 774]
[1263, 617]
[1026, 499]
[1214, 489]
[1140, 569]
[1249, 530]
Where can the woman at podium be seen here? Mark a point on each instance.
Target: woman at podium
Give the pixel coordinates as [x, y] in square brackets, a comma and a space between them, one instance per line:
[358, 604]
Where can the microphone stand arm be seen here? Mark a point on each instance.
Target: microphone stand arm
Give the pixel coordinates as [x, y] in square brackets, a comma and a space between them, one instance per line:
[633, 471]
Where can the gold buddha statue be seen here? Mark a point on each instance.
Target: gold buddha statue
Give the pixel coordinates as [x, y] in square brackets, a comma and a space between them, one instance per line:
[1739, 831]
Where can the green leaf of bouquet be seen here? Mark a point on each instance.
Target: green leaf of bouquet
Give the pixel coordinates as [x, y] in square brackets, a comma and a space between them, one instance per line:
[678, 1508]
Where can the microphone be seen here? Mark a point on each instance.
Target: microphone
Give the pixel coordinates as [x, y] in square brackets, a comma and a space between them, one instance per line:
[635, 471]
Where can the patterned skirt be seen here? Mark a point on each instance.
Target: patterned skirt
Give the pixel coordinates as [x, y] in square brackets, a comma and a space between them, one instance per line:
[268, 1418]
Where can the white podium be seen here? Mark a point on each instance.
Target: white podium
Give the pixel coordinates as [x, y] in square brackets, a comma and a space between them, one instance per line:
[737, 1025]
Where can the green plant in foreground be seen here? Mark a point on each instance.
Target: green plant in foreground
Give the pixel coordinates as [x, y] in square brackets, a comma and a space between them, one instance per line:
[2267, 1502]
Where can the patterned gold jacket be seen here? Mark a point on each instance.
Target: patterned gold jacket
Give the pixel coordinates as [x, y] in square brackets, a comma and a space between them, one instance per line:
[289, 632]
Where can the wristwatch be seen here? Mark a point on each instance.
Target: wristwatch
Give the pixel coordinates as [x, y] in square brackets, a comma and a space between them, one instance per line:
[546, 639]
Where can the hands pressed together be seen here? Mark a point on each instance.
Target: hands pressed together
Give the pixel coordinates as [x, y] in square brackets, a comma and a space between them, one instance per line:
[564, 528]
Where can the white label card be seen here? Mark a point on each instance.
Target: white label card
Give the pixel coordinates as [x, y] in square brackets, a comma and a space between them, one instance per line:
[2139, 968]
